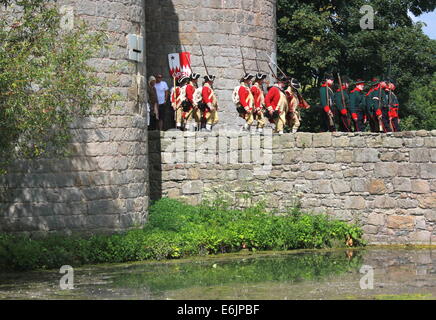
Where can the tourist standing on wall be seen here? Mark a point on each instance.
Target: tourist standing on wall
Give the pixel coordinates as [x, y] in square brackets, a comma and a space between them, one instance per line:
[163, 93]
[152, 104]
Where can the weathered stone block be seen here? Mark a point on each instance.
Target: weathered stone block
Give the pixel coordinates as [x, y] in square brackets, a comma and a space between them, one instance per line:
[408, 170]
[357, 142]
[402, 184]
[428, 171]
[376, 219]
[389, 142]
[322, 140]
[384, 170]
[419, 155]
[401, 222]
[385, 202]
[420, 186]
[376, 186]
[304, 140]
[427, 201]
[344, 156]
[355, 202]
[358, 185]
[341, 142]
[307, 155]
[322, 186]
[420, 237]
[341, 186]
[326, 156]
[192, 187]
[366, 155]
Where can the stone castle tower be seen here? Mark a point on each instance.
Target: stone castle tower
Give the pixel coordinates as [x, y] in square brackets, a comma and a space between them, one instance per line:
[104, 186]
[224, 28]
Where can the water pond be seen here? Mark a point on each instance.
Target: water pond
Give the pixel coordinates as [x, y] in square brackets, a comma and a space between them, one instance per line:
[370, 273]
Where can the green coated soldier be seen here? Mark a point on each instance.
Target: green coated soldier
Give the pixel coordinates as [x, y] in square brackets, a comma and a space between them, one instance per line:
[326, 94]
[375, 100]
[342, 100]
[358, 106]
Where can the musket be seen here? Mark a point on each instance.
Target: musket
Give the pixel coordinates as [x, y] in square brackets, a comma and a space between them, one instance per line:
[331, 123]
[202, 56]
[343, 102]
[380, 122]
[243, 63]
[275, 64]
[273, 73]
[389, 106]
[257, 63]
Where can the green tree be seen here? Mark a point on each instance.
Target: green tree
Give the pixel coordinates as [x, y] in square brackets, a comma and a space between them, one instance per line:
[45, 80]
[325, 35]
[423, 102]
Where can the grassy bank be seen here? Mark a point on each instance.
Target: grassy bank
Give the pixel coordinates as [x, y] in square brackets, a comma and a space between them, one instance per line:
[178, 230]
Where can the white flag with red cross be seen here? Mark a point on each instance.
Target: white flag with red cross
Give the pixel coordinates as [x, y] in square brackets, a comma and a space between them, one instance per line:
[180, 64]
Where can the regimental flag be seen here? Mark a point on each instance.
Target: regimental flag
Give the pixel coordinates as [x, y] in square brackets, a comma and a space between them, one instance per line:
[180, 64]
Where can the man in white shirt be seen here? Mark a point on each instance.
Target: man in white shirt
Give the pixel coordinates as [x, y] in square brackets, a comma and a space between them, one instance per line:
[163, 93]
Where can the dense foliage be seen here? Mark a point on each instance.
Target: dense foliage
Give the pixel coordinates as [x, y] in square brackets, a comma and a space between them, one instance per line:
[45, 80]
[178, 230]
[321, 36]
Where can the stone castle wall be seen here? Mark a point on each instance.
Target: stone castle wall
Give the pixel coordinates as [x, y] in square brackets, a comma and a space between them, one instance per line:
[224, 28]
[103, 186]
[385, 183]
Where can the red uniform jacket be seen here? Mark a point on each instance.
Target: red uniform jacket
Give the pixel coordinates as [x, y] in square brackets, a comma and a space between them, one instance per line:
[190, 93]
[257, 94]
[207, 94]
[273, 97]
[244, 94]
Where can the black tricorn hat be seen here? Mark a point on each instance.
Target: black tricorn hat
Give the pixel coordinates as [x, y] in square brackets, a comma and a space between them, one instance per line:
[345, 79]
[295, 84]
[209, 77]
[328, 76]
[260, 76]
[247, 76]
[194, 76]
[182, 79]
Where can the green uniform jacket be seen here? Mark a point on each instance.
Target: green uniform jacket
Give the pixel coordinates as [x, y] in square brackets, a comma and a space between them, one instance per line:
[376, 100]
[339, 103]
[357, 101]
[322, 93]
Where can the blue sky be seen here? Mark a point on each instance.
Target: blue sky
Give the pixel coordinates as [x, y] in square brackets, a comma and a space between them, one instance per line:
[430, 20]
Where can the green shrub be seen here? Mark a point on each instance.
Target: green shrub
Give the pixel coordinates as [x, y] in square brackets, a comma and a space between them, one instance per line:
[178, 230]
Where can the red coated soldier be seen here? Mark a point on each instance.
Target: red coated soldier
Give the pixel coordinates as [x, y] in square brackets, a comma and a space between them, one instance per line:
[259, 101]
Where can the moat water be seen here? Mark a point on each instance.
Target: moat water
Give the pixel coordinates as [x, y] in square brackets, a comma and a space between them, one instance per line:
[370, 273]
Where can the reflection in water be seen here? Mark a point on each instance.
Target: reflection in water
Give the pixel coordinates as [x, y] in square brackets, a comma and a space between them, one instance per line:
[306, 275]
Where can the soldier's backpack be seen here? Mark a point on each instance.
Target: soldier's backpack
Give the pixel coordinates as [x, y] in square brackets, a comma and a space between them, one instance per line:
[198, 95]
[235, 95]
[198, 98]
